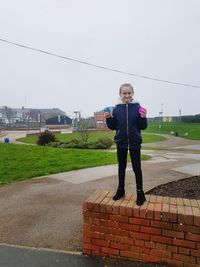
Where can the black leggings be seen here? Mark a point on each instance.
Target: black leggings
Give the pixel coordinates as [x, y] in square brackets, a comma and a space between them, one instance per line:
[136, 165]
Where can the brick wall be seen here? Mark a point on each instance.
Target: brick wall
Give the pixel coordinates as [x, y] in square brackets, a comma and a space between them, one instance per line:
[163, 230]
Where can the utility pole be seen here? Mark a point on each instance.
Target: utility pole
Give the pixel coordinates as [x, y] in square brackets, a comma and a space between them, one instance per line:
[76, 121]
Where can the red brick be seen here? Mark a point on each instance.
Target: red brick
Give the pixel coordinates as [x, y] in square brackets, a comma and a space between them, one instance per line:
[192, 237]
[90, 206]
[112, 256]
[120, 239]
[161, 254]
[143, 210]
[98, 254]
[93, 235]
[95, 221]
[116, 206]
[186, 228]
[184, 258]
[119, 232]
[118, 218]
[114, 217]
[100, 242]
[165, 212]
[119, 246]
[181, 214]
[109, 206]
[100, 229]
[150, 211]
[161, 224]
[104, 216]
[173, 213]
[91, 247]
[161, 239]
[157, 211]
[161, 246]
[123, 219]
[139, 249]
[136, 211]
[150, 244]
[139, 221]
[150, 230]
[96, 207]
[87, 251]
[140, 235]
[129, 254]
[196, 213]
[86, 239]
[139, 243]
[183, 250]
[109, 223]
[184, 243]
[94, 214]
[195, 252]
[172, 248]
[86, 227]
[122, 208]
[103, 204]
[172, 233]
[84, 206]
[130, 227]
[189, 218]
[129, 208]
[149, 258]
[110, 250]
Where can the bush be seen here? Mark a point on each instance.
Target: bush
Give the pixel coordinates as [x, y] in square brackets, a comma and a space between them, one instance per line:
[101, 143]
[54, 144]
[104, 143]
[45, 138]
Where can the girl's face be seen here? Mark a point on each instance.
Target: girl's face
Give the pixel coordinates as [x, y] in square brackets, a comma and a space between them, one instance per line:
[126, 94]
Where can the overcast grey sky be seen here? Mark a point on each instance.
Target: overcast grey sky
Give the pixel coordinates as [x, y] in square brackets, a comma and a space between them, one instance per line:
[156, 38]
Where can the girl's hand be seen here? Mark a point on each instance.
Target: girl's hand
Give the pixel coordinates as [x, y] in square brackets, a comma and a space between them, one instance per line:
[107, 115]
[143, 112]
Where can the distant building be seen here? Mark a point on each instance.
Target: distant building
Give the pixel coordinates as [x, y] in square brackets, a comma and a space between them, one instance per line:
[20, 115]
[63, 119]
[99, 120]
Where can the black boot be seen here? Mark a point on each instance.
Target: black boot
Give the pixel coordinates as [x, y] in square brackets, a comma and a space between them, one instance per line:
[140, 197]
[119, 194]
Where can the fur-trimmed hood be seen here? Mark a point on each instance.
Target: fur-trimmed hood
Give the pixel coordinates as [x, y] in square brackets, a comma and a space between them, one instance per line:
[119, 102]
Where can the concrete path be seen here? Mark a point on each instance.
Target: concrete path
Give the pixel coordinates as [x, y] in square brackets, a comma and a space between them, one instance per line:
[13, 135]
[46, 212]
[15, 256]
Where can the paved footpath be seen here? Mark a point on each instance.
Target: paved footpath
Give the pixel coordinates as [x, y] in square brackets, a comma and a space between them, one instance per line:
[46, 212]
[11, 256]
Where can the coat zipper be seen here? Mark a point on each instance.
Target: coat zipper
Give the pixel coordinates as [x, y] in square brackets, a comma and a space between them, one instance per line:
[127, 124]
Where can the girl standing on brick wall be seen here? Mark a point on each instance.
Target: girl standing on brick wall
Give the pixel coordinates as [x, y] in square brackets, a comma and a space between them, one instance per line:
[128, 118]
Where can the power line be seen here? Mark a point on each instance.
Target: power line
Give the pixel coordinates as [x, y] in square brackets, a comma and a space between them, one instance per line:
[99, 66]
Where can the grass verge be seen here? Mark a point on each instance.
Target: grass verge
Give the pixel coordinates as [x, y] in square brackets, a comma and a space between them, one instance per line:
[19, 162]
[93, 136]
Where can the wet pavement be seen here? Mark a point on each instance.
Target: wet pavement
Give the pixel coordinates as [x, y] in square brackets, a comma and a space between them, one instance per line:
[46, 212]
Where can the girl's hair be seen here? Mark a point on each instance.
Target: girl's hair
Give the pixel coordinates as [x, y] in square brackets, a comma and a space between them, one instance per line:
[127, 85]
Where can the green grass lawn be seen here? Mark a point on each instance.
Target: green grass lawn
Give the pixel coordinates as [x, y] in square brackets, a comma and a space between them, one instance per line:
[93, 136]
[193, 129]
[19, 162]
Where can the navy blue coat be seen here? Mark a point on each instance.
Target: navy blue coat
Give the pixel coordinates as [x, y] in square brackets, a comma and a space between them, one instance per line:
[128, 124]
